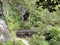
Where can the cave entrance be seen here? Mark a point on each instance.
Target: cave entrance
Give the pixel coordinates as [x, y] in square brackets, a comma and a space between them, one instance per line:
[25, 13]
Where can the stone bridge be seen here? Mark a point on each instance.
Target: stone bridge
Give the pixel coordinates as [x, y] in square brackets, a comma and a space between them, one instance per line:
[25, 33]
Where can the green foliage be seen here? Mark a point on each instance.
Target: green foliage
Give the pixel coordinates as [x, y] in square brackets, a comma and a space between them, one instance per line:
[19, 43]
[38, 40]
[54, 33]
[40, 18]
[54, 42]
[48, 4]
[11, 43]
[1, 43]
[25, 25]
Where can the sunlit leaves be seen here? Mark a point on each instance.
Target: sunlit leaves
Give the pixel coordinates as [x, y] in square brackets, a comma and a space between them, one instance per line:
[48, 4]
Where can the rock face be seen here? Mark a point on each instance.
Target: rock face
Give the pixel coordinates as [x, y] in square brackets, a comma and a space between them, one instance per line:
[3, 30]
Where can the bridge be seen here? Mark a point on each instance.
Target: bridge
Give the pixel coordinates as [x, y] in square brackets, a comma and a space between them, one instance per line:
[25, 33]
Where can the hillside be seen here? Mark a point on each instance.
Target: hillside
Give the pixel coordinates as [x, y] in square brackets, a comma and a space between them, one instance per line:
[40, 15]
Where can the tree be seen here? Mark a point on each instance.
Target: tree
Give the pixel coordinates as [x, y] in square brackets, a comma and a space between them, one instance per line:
[48, 4]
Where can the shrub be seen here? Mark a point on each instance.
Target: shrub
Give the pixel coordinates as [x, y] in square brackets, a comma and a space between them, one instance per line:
[54, 33]
[54, 42]
[25, 25]
[38, 40]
